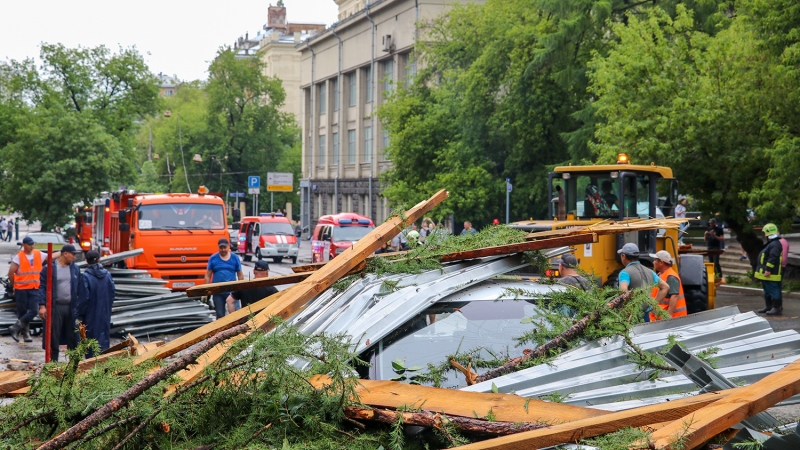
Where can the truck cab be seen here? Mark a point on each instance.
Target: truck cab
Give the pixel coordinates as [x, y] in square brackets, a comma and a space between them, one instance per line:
[336, 233]
[178, 232]
[269, 235]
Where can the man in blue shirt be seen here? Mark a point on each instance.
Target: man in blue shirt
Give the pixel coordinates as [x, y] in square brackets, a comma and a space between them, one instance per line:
[636, 276]
[223, 266]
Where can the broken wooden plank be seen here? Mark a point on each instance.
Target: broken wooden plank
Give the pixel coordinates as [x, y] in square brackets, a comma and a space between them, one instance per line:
[239, 285]
[608, 227]
[700, 426]
[18, 384]
[542, 244]
[298, 295]
[574, 431]
[504, 407]
[206, 331]
[316, 266]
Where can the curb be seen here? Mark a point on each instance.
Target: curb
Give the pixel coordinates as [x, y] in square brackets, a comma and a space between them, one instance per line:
[785, 294]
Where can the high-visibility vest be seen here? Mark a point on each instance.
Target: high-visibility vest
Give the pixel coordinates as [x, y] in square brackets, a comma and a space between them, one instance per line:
[27, 276]
[680, 306]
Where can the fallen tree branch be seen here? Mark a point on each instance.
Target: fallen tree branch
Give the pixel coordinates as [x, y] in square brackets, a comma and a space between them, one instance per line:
[28, 421]
[435, 420]
[557, 342]
[82, 427]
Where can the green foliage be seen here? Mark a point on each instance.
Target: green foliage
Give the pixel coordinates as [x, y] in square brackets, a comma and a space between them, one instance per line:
[619, 440]
[66, 127]
[404, 373]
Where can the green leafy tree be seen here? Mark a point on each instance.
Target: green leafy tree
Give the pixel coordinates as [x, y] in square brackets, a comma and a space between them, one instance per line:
[501, 94]
[67, 127]
[706, 105]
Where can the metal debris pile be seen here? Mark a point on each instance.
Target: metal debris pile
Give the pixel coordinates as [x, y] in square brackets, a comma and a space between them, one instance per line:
[143, 306]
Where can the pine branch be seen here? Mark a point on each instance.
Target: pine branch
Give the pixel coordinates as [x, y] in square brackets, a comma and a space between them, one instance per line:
[76, 431]
[435, 420]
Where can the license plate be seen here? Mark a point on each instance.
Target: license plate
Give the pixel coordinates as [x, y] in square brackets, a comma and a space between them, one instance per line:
[183, 284]
[283, 250]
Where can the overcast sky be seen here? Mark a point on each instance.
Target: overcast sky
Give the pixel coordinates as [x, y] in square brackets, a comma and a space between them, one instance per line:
[175, 37]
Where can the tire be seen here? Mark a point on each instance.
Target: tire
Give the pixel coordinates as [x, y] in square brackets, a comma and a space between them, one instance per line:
[613, 279]
[697, 296]
[276, 259]
[294, 260]
[258, 254]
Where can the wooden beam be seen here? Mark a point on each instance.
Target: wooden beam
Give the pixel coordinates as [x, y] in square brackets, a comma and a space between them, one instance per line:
[18, 384]
[574, 431]
[504, 407]
[316, 266]
[298, 295]
[206, 331]
[696, 428]
[240, 285]
[609, 227]
[521, 247]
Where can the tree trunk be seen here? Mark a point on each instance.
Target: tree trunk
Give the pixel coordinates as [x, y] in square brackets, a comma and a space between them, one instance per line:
[435, 420]
[561, 340]
[82, 427]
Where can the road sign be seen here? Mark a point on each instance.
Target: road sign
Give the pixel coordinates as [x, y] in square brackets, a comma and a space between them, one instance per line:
[237, 194]
[508, 187]
[253, 181]
[255, 190]
[280, 182]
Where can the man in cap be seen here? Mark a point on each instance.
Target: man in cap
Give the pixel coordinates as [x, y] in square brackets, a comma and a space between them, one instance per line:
[95, 309]
[637, 276]
[674, 302]
[223, 266]
[715, 240]
[567, 268]
[250, 296]
[68, 288]
[769, 269]
[23, 278]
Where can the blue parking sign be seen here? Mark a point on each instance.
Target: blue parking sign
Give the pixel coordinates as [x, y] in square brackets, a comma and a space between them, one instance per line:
[253, 181]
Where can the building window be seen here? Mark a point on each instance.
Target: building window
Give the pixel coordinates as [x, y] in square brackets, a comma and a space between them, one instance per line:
[336, 94]
[351, 146]
[169, 92]
[369, 84]
[335, 138]
[367, 144]
[322, 150]
[365, 206]
[388, 75]
[352, 82]
[385, 144]
[322, 97]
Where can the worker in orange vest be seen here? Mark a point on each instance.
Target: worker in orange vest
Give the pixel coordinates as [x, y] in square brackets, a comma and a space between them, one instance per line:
[674, 302]
[23, 275]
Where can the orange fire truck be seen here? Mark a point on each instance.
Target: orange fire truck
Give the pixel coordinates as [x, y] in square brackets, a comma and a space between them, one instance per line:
[178, 232]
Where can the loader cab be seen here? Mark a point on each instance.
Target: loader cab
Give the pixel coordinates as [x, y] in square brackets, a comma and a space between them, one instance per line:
[614, 192]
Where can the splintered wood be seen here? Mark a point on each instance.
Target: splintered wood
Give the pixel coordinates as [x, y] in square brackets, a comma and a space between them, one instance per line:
[609, 227]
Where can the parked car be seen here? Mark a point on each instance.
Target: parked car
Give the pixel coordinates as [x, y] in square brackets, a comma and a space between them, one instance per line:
[42, 238]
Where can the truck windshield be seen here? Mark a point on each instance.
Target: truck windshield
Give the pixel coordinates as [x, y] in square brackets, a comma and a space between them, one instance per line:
[350, 233]
[277, 228]
[181, 216]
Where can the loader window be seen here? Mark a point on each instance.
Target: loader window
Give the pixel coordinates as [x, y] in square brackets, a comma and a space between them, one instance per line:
[588, 196]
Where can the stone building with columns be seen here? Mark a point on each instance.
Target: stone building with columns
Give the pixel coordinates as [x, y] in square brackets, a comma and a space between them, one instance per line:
[346, 73]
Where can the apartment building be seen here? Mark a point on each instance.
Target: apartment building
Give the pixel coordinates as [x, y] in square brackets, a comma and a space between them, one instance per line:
[346, 73]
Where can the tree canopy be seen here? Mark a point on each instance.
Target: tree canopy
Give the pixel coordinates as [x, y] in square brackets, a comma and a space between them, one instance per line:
[67, 127]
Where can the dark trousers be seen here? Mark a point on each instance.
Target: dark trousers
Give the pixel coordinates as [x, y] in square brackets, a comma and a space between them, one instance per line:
[63, 330]
[772, 293]
[219, 304]
[717, 268]
[27, 301]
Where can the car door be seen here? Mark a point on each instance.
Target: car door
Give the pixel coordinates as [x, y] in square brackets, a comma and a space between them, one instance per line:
[255, 237]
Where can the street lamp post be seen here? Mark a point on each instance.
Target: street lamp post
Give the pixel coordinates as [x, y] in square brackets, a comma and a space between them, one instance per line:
[168, 113]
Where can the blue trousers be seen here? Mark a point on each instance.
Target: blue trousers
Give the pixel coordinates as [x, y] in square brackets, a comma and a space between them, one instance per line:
[220, 304]
[27, 301]
[772, 291]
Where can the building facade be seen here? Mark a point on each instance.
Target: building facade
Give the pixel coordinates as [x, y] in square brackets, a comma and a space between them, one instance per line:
[347, 72]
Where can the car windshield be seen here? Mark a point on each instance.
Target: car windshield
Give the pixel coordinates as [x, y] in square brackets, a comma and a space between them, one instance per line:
[350, 233]
[448, 328]
[181, 216]
[277, 228]
[47, 238]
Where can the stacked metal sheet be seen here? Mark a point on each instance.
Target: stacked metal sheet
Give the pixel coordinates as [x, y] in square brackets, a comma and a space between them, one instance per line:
[142, 306]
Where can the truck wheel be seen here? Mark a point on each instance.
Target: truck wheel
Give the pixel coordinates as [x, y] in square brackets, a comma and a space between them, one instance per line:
[294, 260]
[697, 296]
[613, 279]
[276, 259]
[258, 254]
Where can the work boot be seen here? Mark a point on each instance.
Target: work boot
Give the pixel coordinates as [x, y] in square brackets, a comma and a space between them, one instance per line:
[26, 333]
[16, 329]
[777, 308]
[768, 302]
